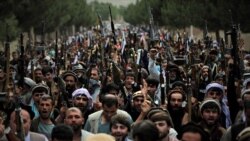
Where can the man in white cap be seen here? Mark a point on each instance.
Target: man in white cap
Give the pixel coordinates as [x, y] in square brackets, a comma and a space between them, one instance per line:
[37, 92]
[216, 91]
[210, 111]
[24, 90]
[83, 100]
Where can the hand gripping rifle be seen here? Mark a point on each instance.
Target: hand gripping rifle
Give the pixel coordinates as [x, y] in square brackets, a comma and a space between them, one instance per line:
[118, 81]
[19, 134]
[139, 67]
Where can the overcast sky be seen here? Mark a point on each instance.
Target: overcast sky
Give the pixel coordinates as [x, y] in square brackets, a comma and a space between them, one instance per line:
[116, 2]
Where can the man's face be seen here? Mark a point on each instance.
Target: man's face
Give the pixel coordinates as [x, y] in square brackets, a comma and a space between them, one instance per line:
[176, 101]
[190, 136]
[153, 52]
[247, 107]
[48, 77]
[152, 89]
[212, 57]
[248, 86]
[36, 96]
[74, 119]
[26, 121]
[45, 107]
[38, 76]
[1, 74]
[113, 92]
[205, 73]
[14, 56]
[163, 128]
[137, 102]
[79, 73]
[70, 82]
[94, 74]
[210, 116]
[215, 95]
[119, 131]
[220, 81]
[129, 80]
[81, 102]
[108, 112]
[172, 75]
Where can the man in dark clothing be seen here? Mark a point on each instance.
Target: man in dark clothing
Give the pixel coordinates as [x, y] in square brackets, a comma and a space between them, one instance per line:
[134, 108]
[177, 112]
[234, 130]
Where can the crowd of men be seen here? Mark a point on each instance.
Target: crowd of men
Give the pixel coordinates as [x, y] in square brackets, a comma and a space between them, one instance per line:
[125, 88]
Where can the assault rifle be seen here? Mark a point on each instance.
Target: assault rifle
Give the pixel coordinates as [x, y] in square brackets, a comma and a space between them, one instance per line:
[7, 56]
[57, 62]
[63, 92]
[162, 83]
[118, 81]
[112, 26]
[19, 120]
[234, 74]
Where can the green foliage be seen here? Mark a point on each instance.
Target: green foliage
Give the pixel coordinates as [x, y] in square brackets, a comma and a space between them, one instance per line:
[21, 15]
[103, 10]
[9, 27]
[182, 13]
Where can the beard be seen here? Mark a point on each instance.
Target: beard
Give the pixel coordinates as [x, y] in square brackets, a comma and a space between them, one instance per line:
[69, 87]
[172, 78]
[83, 108]
[211, 122]
[76, 127]
[38, 79]
[206, 78]
[45, 115]
[162, 135]
[119, 138]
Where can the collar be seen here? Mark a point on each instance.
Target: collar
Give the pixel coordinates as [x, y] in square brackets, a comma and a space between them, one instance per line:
[27, 137]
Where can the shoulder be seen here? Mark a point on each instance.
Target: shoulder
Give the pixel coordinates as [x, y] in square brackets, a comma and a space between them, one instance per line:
[123, 112]
[127, 139]
[38, 136]
[95, 115]
[173, 139]
[172, 132]
[222, 129]
[86, 133]
[37, 119]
